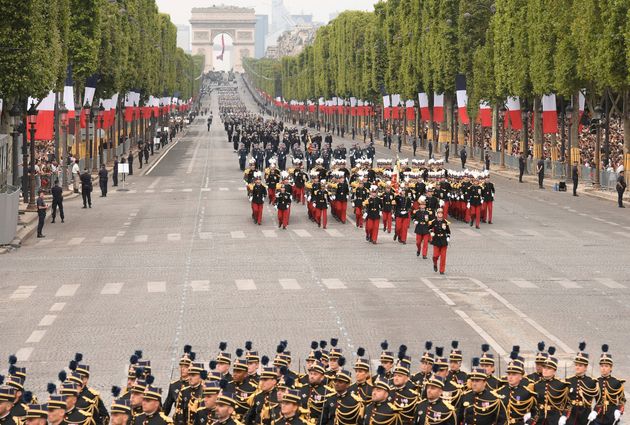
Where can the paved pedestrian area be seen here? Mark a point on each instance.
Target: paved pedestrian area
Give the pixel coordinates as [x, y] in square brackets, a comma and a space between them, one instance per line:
[177, 260]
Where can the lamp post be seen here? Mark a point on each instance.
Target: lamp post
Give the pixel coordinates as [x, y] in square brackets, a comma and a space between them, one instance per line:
[88, 142]
[93, 136]
[77, 133]
[100, 134]
[569, 161]
[31, 116]
[18, 128]
[503, 110]
[63, 115]
[597, 117]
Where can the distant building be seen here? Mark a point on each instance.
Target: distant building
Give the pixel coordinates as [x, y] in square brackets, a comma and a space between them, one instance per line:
[183, 37]
[262, 29]
[302, 19]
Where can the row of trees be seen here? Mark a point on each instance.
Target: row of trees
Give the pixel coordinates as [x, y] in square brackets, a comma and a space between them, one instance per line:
[524, 48]
[127, 44]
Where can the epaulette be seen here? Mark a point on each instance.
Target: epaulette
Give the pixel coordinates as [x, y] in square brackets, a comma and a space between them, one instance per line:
[356, 397]
[166, 418]
[175, 381]
[94, 392]
[393, 407]
[448, 405]
[84, 413]
[496, 394]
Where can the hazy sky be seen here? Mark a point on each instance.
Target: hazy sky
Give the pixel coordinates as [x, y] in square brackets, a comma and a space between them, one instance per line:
[321, 9]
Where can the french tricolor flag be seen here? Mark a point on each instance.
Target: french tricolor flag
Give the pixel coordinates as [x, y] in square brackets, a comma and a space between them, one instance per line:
[423, 102]
[514, 113]
[485, 114]
[90, 89]
[387, 107]
[68, 95]
[462, 98]
[410, 108]
[581, 101]
[438, 107]
[550, 114]
[396, 106]
[45, 117]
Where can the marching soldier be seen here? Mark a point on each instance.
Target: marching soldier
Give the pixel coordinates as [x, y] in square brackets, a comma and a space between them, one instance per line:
[403, 205]
[56, 408]
[475, 201]
[434, 410]
[7, 395]
[272, 178]
[479, 405]
[74, 415]
[455, 363]
[136, 395]
[176, 386]
[583, 391]
[539, 361]
[36, 414]
[264, 400]
[440, 236]
[387, 363]
[252, 357]
[120, 410]
[97, 409]
[421, 219]
[321, 199]
[552, 394]
[372, 213]
[488, 363]
[290, 410]
[359, 196]
[21, 398]
[240, 387]
[488, 201]
[426, 368]
[388, 206]
[257, 198]
[190, 396]
[381, 411]
[151, 412]
[344, 407]
[519, 400]
[404, 393]
[314, 394]
[362, 386]
[283, 204]
[451, 391]
[206, 413]
[612, 399]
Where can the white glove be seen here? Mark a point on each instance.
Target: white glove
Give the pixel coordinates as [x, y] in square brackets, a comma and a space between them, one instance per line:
[275, 206]
[527, 416]
[432, 234]
[617, 414]
[441, 203]
[415, 222]
[364, 216]
[314, 205]
[250, 199]
[482, 201]
[468, 205]
[562, 420]
[448, 239]
[592, 416]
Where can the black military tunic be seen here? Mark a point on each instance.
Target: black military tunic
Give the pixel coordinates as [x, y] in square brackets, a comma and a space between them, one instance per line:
[186, 405]
[242, 392]
[458, 376]
[420, 378]
[173, 391]
[91, 402]
[313, 397]
[381, 413]
[405, 398]
[552, 396]
[483, 408]
[583, 391]
[9, 420]
[438, 412]
[295, 420]
[18, 411]
[80, 417]
[452, 393]
[518, 401]
[204, 415]
[157, 418]
[363, 390]
[260, 410]
[342, 409]
[611, 398]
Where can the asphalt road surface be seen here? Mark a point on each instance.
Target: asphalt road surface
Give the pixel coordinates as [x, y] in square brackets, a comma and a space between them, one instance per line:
[177, 260]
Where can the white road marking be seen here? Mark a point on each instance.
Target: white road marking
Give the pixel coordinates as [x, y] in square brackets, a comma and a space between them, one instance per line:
[242, 189]
[23, 354]
[76, 241]
[289, 284]
[522, 283]
[44, 242]
[22, 292]
[205, 189]
[626, 234]
[156, 286]
[112, 288]
[493, 343]
[36, 336]
[501, 233]
[155, 182]
[192, 160]
[334, 233]
[205, 235]
[610, 283]
[167, 190]
[237, 235]
[531, 232]
[121, 233]
[132, 191]
[186, 190]
[57, 306]
[162, 157]
[381, 283]
[149, 191]
[438, 291]
[141, 238]
[47, 320]
[302, 233]
[174, 237]
[200, 285]
[333, 284]
[469, 232]
[223, 189]
[565, 283]
[612, 223]
[245, 285]
[108, 239]
[67, 290]
[270, 233]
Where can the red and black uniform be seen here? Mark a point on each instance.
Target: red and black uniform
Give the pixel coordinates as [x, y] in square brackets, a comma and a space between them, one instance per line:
[403, 204]
[299, 179]
[422, 219]
[359, 196]
[321, 199]
[341, 198]
[440, 235]
[388, 206]
[257, 198]
[488, 202]
[475, 200]
[372, 207]
[283, 203]
[272, 178]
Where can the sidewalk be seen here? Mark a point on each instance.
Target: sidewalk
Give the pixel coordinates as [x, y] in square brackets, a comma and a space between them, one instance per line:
[27, 220]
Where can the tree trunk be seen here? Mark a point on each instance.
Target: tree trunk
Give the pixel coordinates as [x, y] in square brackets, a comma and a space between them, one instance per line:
[538, 137]
[626, 132]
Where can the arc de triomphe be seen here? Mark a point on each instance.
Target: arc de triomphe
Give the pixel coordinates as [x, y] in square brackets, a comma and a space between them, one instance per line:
[238, 22]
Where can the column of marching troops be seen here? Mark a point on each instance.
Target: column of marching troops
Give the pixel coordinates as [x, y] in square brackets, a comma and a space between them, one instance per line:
[392, 192]
[250, 389]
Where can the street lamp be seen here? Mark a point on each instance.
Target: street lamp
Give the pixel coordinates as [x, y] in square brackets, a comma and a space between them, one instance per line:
[88, 142]
[76, 146]
[18, 128]
[569, 112]
[597, 121]
[100, 134]
[503, 111]
[63, 114]
[31, 118]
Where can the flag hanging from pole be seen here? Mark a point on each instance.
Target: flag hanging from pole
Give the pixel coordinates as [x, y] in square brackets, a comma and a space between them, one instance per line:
[438, 107]
[220, 57]
[45, 116]
[485, 114]
[90, 89]
[513, 116]
[68, 95]
[423, 103]
[550, 114]
[462, 98]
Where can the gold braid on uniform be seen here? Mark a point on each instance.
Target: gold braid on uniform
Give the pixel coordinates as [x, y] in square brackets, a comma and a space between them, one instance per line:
[430, 420]
[516, 409]
[612, 396]
[349, 414]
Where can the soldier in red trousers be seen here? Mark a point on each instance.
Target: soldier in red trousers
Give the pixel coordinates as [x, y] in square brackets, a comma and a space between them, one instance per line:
[421, 219]
[283, 204]
[372, 213]
[257, 198]
[440, 236]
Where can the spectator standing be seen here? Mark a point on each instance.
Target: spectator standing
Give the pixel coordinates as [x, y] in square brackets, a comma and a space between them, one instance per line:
[102, 180]
[57, 201]
[621, 188]
[86, 188]
[575, 176]
[540, 169]
[41, 214]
